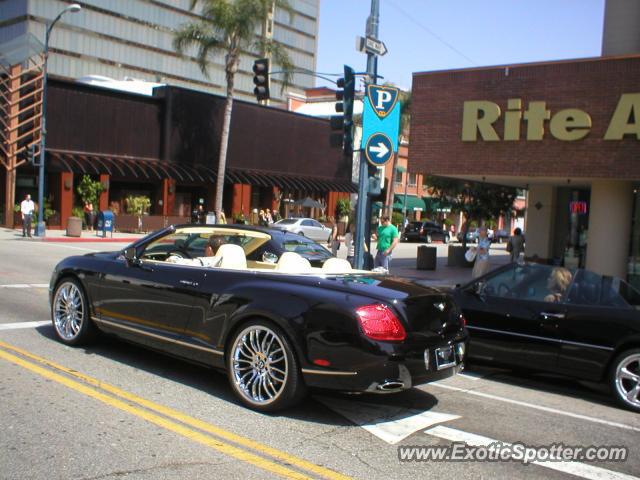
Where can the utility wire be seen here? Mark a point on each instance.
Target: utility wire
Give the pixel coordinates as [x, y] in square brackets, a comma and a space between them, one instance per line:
[430, 32]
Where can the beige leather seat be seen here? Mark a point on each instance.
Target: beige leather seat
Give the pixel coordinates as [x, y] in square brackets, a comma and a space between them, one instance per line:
[291, 262]
[233, 257]
[336, 265]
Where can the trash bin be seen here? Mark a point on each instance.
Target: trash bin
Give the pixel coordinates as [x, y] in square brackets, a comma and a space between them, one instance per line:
[105, 222]
[74, 227]
[426, 259]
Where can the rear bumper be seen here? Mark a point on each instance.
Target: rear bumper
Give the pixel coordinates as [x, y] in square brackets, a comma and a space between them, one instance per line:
[391, 373]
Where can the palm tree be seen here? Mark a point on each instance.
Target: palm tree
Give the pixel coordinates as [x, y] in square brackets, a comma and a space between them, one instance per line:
[231, 27]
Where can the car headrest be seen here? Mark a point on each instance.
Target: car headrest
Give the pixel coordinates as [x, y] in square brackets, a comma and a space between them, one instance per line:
[291, 262]
[232, 256]
[336, 265]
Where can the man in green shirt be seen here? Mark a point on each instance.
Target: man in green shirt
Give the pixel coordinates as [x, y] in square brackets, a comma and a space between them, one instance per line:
[388, 238]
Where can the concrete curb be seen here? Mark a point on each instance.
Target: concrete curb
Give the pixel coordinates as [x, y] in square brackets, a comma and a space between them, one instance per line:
[86, 240]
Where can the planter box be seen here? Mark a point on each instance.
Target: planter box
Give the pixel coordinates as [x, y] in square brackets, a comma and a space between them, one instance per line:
[427, 258]
[455, 257]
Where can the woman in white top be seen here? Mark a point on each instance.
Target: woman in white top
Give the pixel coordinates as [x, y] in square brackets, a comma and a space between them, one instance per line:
[350, 243]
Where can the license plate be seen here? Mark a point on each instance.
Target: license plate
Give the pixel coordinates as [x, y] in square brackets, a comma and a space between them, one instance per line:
[445, 357]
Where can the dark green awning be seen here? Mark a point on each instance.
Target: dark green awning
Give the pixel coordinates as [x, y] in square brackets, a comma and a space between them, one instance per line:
[400, 168]
[414, 204]
[435, 205]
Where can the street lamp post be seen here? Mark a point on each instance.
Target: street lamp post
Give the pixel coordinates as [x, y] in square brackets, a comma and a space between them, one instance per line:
[40, 227]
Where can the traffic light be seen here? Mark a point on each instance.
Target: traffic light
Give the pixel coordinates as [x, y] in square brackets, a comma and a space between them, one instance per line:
[29, 154]
[342, 125]
[261, 78]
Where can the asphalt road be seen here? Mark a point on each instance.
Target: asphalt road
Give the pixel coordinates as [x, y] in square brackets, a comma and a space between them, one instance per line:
[116, 411]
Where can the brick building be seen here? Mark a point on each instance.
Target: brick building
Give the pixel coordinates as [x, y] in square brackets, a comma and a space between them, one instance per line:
[566, 131]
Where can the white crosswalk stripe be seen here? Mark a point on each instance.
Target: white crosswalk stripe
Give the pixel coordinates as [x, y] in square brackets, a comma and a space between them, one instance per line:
[579, 469]
[26, 285]
[391, 424]
[21, 325]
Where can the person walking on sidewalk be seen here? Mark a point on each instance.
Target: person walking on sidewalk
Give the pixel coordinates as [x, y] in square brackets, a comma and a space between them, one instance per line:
[516, 244]
[482, 255]
[387, 237]
[26, 210]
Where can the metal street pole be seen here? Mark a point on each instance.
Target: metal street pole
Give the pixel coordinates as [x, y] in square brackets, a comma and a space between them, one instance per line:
[40, 226]
[363, 183]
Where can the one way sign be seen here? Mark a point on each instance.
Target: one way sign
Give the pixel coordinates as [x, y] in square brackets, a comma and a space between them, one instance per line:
[380, 123]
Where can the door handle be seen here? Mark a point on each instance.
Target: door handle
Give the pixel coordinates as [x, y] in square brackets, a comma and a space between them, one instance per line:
[188, 283]
[547, 315]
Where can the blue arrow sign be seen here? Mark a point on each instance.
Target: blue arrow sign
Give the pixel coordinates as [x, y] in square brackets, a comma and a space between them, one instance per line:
[381, 116]
[378, 149]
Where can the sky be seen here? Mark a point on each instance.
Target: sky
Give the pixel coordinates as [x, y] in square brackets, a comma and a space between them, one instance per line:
[427, 35]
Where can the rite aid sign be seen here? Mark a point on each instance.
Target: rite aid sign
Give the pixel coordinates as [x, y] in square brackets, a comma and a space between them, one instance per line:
[479, 118]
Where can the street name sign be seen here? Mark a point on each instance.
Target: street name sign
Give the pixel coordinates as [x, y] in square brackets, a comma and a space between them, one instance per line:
[380, 123]
[371, 45]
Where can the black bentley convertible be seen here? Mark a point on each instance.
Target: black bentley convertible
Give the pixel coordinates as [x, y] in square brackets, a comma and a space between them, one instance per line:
[552, 319]
[259, 309]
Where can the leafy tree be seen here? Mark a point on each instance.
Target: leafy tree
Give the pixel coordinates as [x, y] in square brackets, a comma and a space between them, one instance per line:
[89, 189]
[137, 205]
[231, 27]
[477, 201]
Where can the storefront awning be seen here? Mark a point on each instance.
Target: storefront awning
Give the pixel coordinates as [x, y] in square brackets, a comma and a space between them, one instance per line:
[146, 169]
[436, 205]
[414, 204]
[400, 168]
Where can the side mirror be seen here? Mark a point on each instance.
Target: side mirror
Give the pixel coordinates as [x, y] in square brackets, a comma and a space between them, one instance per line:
[478, 288]
[130, 254]
[269, 257]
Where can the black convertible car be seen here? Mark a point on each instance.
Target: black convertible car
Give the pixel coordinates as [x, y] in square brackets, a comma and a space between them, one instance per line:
[552, 319]
[274, 322]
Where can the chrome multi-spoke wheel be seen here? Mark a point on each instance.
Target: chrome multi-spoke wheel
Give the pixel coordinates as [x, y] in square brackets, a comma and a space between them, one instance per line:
[627, 378]
[69, 312]
[262, 368]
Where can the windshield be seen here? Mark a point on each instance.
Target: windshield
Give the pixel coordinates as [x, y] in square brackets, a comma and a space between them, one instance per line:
[286, 221]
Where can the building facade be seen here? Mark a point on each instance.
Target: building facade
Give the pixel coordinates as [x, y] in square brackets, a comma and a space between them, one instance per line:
[165, 148]
[133, 39]
[566, 131]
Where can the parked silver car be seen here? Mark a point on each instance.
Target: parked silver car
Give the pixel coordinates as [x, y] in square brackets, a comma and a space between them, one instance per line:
[308, 227]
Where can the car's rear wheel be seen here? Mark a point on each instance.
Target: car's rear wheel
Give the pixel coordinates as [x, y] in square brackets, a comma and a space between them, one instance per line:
[428, 238]
[625, 379]
[70, 313]
[263, 369]
[301, 233]
[446, 239]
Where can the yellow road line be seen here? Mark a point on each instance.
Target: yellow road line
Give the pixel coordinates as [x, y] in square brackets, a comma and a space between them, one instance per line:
[191, 421]
[158, 420]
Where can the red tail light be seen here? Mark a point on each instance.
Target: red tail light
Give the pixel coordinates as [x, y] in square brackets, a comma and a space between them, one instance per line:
[379, 323]
[463, 320]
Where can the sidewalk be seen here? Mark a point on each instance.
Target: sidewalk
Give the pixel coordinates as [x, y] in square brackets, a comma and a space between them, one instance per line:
[60, 236]
[442, 275]
[403, 264]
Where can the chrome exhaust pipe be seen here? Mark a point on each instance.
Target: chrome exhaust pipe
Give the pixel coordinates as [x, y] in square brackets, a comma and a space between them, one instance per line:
[391, 386]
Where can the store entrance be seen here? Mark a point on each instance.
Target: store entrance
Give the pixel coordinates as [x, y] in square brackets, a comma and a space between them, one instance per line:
[571, 226]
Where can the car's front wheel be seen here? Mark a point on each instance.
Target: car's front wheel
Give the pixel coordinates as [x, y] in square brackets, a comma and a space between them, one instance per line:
[625, 379]
[428, 238]
[263, 369]
[70, 313]
[446, 239]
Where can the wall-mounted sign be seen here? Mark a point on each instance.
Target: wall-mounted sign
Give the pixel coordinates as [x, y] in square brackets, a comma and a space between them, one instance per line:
[480, 117]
